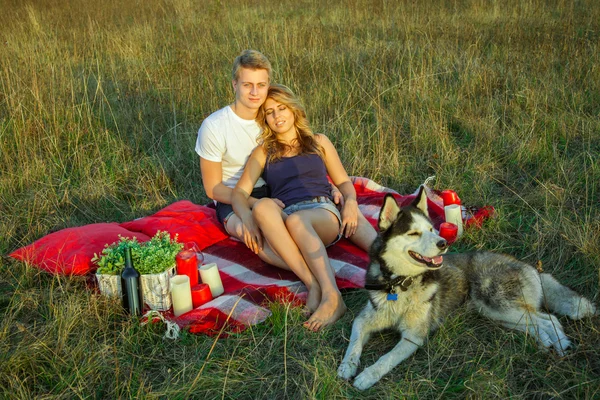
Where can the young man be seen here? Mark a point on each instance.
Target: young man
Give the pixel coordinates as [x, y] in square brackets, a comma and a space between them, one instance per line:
[225, 141]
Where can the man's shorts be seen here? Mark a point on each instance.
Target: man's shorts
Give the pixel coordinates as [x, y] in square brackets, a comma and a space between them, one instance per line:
[224, 211]
[318, 202]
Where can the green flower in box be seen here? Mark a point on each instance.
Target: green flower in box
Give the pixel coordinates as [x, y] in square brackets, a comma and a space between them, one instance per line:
[154, 260]
[158, 254]
[151, 257]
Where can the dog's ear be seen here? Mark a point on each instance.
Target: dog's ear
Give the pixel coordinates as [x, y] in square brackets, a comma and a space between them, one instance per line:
[389, 212]
[420, 201]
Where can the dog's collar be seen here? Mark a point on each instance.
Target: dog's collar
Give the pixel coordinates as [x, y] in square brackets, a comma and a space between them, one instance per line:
[403, 282]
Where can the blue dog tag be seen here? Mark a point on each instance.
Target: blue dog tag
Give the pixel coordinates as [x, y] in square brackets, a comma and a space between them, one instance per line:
[392, 296]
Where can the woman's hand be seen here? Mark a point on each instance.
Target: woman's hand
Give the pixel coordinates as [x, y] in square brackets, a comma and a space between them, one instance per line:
[349, 218]
[252, 235]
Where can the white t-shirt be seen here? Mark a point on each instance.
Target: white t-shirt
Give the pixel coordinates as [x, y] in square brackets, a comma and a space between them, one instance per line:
[226, 138]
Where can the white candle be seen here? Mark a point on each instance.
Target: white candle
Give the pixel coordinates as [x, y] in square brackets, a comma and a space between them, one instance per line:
[181, 294]
[453, 214]
[209, 274]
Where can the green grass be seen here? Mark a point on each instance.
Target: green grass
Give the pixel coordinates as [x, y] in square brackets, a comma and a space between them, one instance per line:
[100, 103]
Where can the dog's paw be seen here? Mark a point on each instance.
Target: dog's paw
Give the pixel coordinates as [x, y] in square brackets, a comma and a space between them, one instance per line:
[366, 379]
[347, 370]
[583, 308]
[549, 332]
[561, 345]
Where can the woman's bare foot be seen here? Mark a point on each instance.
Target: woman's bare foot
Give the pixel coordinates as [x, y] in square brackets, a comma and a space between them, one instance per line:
[305, 312]
[330, 310]
[314, 298]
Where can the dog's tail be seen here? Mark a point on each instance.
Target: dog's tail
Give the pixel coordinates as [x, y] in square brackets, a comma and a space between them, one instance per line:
[564, 301]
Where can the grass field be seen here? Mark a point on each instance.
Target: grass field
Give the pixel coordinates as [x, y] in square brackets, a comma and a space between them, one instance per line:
[100, 103]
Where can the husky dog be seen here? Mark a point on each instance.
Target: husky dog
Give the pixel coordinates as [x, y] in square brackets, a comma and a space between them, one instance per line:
[412, 287]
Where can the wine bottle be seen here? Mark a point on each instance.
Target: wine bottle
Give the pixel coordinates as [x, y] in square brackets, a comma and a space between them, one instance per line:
[130, 285]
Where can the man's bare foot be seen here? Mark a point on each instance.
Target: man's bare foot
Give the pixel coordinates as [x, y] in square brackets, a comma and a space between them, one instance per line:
[313, 299]
[330, 310]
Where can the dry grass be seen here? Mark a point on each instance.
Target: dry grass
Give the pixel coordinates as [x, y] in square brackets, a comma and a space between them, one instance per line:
[99, 107]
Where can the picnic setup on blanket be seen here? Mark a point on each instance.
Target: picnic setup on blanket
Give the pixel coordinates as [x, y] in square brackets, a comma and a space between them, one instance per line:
[240, 283]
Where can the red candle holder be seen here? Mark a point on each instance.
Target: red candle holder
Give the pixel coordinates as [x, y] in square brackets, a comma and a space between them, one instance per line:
[201, 294]
[450, 197]
[187, 262]
[449, 231]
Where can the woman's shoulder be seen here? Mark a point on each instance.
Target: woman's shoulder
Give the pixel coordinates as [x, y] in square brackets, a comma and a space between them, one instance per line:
[323, 140]
[260, 149]
[259, 152]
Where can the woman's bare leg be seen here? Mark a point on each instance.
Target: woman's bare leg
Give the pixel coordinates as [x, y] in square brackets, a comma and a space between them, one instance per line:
[267, 254]
[310, 229]
[271, 220]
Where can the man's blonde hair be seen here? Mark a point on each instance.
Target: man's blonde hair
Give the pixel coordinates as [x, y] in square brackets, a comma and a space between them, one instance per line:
[251, 59]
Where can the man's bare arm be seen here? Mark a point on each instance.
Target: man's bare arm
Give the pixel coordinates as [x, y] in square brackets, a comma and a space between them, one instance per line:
[212, 180]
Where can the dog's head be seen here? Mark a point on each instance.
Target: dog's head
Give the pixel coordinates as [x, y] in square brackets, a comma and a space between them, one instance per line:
[409, 244]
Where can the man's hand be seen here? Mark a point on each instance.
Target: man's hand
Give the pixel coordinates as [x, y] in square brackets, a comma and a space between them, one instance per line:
[252, 200]
[252, 236]
[279, 203]
[349, 218]
[338, 198]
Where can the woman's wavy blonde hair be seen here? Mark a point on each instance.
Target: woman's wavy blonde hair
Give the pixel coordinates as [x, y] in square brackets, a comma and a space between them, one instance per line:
[305, 138]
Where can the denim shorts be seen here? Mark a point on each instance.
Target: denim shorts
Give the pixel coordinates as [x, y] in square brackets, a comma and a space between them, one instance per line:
[318, 202]
[224, 211]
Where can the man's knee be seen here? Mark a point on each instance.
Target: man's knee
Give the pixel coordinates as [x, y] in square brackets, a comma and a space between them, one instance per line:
[234, 226]
[365, 234]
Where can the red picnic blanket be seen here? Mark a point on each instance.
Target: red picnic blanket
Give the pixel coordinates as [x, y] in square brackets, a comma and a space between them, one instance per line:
[247, 280]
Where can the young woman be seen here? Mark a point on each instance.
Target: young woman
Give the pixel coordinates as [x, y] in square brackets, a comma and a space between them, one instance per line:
[299, 219]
